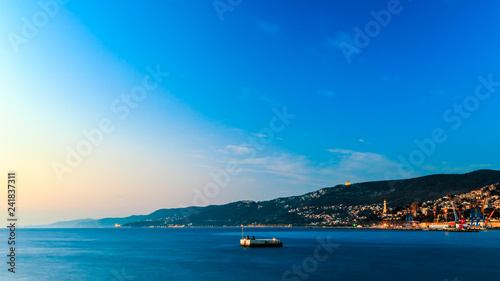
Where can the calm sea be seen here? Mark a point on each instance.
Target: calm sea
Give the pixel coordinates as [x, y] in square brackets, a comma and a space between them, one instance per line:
[215, 254]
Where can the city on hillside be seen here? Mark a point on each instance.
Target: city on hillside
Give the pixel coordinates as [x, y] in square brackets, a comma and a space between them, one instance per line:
[442, 211]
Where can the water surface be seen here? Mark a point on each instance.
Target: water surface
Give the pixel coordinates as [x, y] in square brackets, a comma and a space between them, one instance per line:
[214, 254]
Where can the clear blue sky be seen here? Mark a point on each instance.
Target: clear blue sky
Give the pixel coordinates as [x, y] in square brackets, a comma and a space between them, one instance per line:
[360, 101]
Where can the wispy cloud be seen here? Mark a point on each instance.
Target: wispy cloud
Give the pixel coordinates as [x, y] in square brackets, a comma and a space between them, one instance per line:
[290, 168]
[284, 165]
[343, 45]
[360, 166]
[237, 149]
[269, 27]
[480, 165]
[260, 135]
[339, 37]
[327, 93]
[438, 94]
[452, 169]
[341, 151]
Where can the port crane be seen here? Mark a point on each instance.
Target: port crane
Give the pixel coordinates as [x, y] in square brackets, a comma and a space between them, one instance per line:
[475, 212]
[491, 215]
[477, 217]
[410, 215]
[484, 205]
[456, 211]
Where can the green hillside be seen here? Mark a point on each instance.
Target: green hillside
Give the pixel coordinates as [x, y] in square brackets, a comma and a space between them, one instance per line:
[397, 193]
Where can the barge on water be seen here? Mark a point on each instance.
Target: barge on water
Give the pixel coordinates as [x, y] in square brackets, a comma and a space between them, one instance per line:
[247, 242]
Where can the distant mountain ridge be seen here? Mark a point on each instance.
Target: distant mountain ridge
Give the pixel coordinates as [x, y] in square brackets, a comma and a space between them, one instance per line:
[397, 193]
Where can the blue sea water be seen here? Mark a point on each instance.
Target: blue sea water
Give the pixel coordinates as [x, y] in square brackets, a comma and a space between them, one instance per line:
[123, 254]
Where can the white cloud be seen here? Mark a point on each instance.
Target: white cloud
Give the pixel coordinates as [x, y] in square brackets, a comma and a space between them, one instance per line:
[360, 166]
[288, 168]
[340, 151]
[480, 165]
[327, 93]
[284, 165]
[259, 135]
[237, 149]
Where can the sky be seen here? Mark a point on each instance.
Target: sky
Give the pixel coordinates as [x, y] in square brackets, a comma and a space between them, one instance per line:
[112, 110]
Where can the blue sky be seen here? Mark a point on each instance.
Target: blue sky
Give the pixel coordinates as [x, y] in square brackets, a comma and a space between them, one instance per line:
[356, 117]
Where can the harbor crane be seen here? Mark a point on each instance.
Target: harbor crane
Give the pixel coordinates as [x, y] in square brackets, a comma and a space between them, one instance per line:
[477, 218]
[475, 212]
[410, 215]
[484, 205]
[456, 211]
[491, 215]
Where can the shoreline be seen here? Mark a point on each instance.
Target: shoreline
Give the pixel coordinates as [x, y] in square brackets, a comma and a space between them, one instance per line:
[287, 227]
[402, 228]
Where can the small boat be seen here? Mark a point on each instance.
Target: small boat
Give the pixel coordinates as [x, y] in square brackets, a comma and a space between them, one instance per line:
[252, 242]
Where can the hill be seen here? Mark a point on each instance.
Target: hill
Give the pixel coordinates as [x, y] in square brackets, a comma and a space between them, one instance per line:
[397, 193]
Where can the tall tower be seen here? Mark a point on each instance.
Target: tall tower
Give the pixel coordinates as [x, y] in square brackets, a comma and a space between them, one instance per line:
[385, 208]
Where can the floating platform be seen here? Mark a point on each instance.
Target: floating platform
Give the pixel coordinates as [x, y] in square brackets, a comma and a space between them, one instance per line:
[260, 243]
